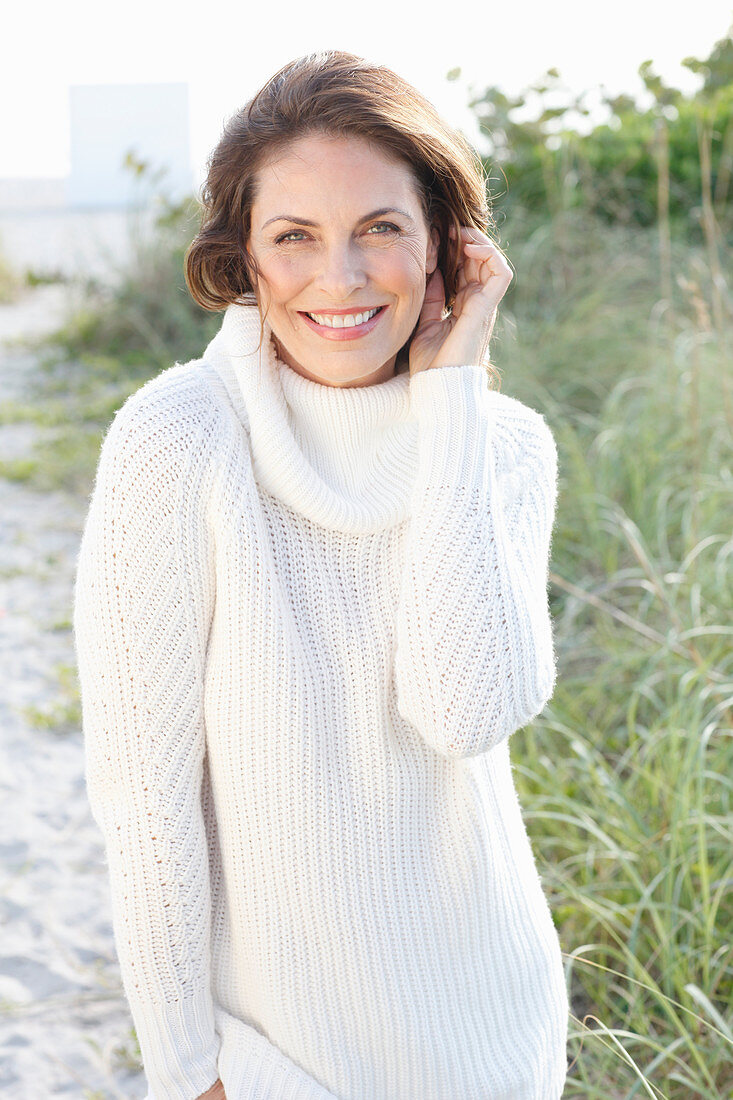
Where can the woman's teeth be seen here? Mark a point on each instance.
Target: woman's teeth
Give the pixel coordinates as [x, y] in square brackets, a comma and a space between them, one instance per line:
[345, 320]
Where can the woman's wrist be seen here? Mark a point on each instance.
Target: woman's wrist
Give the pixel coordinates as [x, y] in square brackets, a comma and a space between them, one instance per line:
[216, 1092]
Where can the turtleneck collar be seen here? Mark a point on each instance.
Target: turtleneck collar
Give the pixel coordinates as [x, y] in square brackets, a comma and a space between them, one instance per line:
[345, 457]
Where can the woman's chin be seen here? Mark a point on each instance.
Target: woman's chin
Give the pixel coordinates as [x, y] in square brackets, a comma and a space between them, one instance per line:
[344, 364]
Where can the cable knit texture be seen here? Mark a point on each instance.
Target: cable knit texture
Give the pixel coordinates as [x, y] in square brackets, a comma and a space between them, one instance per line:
[307, 621]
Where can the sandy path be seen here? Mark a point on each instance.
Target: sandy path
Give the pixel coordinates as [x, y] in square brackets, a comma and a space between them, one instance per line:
[64, 1022]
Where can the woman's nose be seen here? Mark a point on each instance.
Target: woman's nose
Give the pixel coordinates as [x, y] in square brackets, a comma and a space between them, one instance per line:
[341, 272]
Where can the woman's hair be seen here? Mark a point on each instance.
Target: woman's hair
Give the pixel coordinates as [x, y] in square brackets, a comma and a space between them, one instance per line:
[335, 94]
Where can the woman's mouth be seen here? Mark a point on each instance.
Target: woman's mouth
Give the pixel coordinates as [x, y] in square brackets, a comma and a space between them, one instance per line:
[344, 326]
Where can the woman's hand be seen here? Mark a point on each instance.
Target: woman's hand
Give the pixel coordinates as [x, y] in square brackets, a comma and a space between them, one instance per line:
[216, 1092]
[463, 337]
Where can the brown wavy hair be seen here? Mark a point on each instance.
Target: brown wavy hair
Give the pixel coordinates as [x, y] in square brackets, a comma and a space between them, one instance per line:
[333, 93]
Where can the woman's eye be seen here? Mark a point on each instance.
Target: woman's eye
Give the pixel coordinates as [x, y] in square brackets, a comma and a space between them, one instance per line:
[284, 236]
[382, 229]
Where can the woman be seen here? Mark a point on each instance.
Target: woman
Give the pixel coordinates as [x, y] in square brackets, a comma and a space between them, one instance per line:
[311, 609]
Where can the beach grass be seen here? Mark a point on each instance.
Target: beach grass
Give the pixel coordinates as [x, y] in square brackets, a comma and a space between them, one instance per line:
[626, 778]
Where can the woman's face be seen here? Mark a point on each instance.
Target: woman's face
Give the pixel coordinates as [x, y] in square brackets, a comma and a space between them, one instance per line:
[338, 231]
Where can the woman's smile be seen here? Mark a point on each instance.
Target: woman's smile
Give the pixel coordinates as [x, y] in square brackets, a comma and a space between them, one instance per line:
[343, 325]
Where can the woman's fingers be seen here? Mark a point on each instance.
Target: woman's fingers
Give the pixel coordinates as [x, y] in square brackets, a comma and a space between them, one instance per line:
[472, 236]
[486, 264]
[481, 261]
[483, 275]
[483, 271]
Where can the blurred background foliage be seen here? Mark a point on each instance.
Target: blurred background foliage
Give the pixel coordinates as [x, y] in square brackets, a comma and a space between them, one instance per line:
[617, 327]
[620, 170]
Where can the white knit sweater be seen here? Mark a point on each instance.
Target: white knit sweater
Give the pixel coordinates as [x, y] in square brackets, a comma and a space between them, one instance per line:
[307, 621]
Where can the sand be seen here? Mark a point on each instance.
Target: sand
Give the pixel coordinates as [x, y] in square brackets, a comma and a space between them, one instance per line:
[65, 1028]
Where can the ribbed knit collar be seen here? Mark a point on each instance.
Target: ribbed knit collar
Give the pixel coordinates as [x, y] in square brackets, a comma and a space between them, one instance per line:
[344, 457]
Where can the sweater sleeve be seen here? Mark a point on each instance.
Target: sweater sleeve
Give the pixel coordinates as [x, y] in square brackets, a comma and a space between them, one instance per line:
[140, 616]
[474, 657]
[144, 601]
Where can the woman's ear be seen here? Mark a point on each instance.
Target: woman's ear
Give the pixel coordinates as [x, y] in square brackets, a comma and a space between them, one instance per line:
[431, 258]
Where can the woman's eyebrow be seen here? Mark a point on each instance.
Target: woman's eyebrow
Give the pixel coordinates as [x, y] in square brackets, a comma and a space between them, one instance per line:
[368, 217]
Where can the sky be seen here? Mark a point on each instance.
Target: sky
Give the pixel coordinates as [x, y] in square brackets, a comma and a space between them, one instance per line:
[226, 51]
